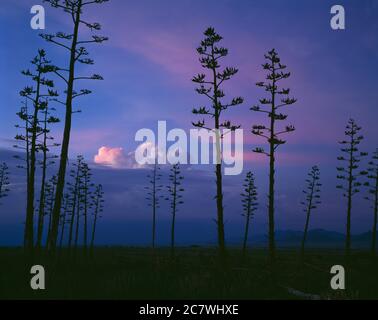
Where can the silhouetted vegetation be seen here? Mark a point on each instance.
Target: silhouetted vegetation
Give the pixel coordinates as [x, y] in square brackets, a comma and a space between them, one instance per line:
[175, 197]
[133, 273]
[63, 218]
[350, 184]
[98, 204]
[210, 86]
[64, 207]
[37, 95]
[250, 205]
[4, 181]
[372, 175]
[47, 160]
[73, 190]
[77, 54]
[49, 204]
[86, 191]
[82, 207]
[277, 99]
[153, 196]
[312, 200]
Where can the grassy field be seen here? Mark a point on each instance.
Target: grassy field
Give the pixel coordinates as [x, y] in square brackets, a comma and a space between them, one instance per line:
[140, 273]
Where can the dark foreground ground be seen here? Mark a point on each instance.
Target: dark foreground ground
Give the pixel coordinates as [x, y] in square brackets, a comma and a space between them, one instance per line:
[140, 273]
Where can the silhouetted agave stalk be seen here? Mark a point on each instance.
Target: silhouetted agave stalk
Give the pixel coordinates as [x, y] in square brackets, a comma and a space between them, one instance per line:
[98, 204]
[271, 106]
[79, 205]
[77, 54]
[153, 196]
[85, 194]
[73, 189]
[312, 200]
[66, 207]
[49, 203]
[23, 139]
[210, 86]
[250, 204]
[47, 160]
[347, 173]
[37, 95]
[372, 175]
[4, 180]
[175, 198]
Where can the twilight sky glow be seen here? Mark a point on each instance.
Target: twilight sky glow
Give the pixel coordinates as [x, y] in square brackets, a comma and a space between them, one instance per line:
[148, 64]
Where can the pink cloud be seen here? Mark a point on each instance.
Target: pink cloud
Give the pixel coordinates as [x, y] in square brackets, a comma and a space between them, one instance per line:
[113, 157]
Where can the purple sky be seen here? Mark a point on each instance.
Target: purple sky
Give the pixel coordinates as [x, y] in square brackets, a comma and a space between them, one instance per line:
[148, 63]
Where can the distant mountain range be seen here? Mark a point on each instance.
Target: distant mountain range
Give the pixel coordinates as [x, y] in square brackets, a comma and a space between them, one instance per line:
[317, 238]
